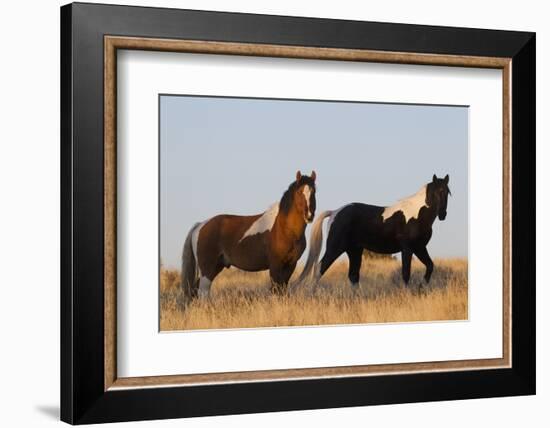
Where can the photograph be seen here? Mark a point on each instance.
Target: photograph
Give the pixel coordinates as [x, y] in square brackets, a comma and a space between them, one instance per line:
[267, 210]
[298, 212]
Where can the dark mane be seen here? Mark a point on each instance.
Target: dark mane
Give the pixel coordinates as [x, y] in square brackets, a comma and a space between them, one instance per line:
[286, 201]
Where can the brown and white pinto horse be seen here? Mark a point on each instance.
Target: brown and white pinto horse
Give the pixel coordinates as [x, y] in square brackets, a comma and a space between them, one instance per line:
[273, 240]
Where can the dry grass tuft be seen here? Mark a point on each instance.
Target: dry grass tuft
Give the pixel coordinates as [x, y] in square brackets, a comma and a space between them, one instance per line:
[242, 299]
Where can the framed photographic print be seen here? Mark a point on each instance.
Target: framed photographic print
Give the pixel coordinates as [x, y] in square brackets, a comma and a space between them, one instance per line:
[265, 213]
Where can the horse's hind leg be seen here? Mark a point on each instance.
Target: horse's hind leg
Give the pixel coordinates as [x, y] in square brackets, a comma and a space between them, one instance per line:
[206, 279]
[204, 287]
[355, 256]
[424, 257]
[194, 291]
[331, 254]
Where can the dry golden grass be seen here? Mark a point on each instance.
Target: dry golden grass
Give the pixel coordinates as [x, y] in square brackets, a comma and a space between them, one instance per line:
[242, 299]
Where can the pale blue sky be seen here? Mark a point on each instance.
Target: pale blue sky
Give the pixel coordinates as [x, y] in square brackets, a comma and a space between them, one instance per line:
[238, 155]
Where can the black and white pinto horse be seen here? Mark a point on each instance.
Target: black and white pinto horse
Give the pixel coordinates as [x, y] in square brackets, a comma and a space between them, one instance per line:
[405, 227]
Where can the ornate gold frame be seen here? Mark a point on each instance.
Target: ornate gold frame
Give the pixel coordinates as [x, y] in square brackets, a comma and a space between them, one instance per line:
[113, 43]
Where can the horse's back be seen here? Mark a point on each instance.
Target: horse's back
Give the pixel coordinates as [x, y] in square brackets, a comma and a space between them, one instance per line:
[221, 239]
[348, 219]
[360, 224]
[367, 210]
[228, 228]
[358, 212]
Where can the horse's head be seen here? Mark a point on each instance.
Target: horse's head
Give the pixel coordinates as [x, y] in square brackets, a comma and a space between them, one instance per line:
[304, 195]
[436, 195]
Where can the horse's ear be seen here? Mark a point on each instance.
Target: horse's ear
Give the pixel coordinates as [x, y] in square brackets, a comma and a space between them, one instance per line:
[313, 175]
[298, 176]
[434, 178]
[447, 179]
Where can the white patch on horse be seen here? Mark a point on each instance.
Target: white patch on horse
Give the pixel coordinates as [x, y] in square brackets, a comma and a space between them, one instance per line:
[195, 242]
[307, 195]
[410, 207]
[264, 223]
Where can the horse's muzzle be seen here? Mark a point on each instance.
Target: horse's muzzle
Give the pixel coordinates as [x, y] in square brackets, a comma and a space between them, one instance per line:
[443, 216]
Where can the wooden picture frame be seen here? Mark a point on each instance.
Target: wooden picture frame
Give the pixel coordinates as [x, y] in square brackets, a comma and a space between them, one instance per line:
[91, 391]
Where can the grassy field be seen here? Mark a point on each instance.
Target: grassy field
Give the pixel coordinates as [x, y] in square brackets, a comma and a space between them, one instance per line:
[242, 299]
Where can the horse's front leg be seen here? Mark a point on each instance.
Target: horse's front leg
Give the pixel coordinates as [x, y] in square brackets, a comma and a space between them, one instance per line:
[355, 256]
[278, 288]
[425, 258]
[406, 256]
[280, 275]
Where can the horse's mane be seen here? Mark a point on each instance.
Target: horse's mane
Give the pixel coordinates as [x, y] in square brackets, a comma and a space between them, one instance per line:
[286, 201]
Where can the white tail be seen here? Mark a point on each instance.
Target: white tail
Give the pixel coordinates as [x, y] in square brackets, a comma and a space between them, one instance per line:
[189, 268]
[315, 243]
